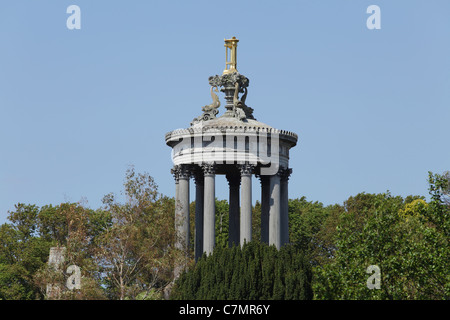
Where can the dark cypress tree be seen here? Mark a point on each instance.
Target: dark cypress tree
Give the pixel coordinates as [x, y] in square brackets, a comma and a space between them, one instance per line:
[255, 271]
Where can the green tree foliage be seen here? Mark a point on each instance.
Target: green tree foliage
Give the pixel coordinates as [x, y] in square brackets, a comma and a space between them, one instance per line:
[439, 208]
[222, 223]
[25, 243]
[403, 237]
[312, 227]
[21, 255]
[135, 252]
[124, 251]
[256, 221]
[255, 271]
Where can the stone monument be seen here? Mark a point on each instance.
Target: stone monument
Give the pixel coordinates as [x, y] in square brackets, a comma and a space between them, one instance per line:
[238, 146]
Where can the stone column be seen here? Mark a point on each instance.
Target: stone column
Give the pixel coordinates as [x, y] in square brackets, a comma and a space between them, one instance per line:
[275, 212]
[182, 174]
[199, 190]
[175, 171]
[209, 208]
[284, 196]
[246, 202]
[234, 181]
[265, 205]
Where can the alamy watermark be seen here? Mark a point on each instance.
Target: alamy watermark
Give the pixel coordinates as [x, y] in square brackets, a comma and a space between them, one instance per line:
[74, 20]
[228, 146]
[56, 261]
[374, 281]
[374, 21]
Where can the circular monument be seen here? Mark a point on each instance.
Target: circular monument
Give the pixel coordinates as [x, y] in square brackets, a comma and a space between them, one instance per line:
[238, 146]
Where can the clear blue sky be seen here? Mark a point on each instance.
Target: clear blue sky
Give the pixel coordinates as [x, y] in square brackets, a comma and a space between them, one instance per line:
[77, 107]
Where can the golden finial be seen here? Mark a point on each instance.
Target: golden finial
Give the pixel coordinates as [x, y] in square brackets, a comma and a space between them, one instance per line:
[230, 65]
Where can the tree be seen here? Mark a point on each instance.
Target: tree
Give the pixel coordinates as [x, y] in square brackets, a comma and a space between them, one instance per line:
[256, 221]
[22, 253]
[136, 252]
[439, 213]
[25, 243]
[75, 228]
[396, 235]
[312, 227]
[123, 250]
[222, 223]
[253, 271]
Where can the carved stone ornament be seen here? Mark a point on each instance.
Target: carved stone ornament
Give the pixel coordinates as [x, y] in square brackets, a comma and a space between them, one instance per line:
[246, 168]
[175, 171]
[209, 168]
[185, 171]
[232, 84]
[229, 80]
[285, 173]
[211, 110]
[241, 110]
[181, 171]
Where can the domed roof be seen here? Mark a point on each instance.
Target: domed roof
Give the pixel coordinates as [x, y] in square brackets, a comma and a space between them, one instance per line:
[237, 120]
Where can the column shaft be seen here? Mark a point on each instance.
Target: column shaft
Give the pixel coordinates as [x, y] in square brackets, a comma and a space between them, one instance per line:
[246, 208]
[265, 205]
[182, 217]
[274, 212]
[234, 218]
[199, 203]
[209, 210]
[246, 202]
[284, 195]
[284, 211]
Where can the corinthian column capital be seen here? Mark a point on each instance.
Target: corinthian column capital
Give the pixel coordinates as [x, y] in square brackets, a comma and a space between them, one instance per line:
[209, 168]
[285, 173]
[246, 168]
